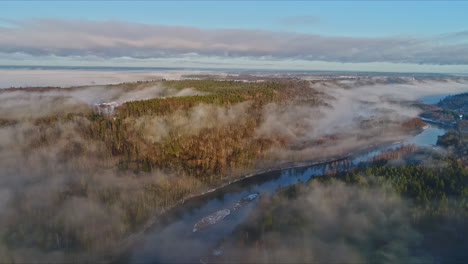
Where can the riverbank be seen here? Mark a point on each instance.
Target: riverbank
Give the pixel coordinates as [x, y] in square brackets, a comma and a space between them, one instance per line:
[133, 239]
[136, 236]
[440, 123]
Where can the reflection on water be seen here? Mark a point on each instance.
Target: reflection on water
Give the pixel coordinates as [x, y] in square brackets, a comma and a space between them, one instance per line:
[176, 241]
[426, 138]
[173, 240]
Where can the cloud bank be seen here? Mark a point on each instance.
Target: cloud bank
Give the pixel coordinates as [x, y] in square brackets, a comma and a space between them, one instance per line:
[114, 39]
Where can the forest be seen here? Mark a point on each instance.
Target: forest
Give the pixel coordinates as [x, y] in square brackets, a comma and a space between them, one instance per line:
[457, 102]
[376, 213]
[272, 131]
[97, 177]
[104, 175]
[394, 207]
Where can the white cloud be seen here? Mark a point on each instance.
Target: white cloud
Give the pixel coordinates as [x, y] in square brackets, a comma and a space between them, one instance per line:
[115, 39]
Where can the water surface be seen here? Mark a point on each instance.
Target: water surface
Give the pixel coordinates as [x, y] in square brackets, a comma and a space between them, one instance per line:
[172, 240]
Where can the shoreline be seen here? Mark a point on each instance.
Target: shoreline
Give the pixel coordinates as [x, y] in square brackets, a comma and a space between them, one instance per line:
[132, 239]
[136, 236]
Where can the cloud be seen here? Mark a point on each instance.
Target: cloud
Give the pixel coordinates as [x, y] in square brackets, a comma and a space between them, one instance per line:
[115, 39]
[300, 20]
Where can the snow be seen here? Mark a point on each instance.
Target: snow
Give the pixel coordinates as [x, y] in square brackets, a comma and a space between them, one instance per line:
[211, 219]
[245, 201]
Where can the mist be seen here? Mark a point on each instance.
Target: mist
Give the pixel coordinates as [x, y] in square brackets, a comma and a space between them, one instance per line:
[34, 177]
[42, 162]
[41, 102]
[66, 78]
[334, 223]
[356, 114]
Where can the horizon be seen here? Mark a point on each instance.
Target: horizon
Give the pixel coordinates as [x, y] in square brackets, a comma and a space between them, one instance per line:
[220, 70]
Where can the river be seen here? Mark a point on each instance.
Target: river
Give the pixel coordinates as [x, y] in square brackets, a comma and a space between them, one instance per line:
[172, 239]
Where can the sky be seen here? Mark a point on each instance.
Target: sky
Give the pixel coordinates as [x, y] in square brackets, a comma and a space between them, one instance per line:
[300, 35]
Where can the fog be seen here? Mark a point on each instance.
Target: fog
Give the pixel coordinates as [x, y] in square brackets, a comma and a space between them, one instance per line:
[34, 177]
[189, 123]
[34, 103]
[40, 163]
[65, 78]
[357, 114]
[336, 223]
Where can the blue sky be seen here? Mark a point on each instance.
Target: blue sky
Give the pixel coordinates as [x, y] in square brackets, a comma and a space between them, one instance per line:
[344, 18]
[426, 22]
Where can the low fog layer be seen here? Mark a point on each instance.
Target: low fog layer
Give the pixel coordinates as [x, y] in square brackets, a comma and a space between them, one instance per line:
[33, 178]
[30, 103]
[40, 163]
[335, 224]
[359, 113]
[64, 78]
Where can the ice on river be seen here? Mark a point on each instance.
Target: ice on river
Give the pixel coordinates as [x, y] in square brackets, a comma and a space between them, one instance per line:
[211, 219]
[218, 216]
[249, 198]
